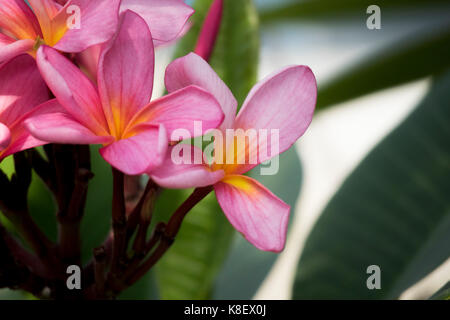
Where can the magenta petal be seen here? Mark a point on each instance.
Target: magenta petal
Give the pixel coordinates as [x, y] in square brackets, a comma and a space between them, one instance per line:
[61, 127]
[76, 93]
[10, 48]
[210, 29]
[254, 211]
[183, 109]
[140, 153]
[125, 74]
[98, 21]
[189, 174]
[165, 18]
[284, 101]
[21, 88]
[5, 137]
[193, 70]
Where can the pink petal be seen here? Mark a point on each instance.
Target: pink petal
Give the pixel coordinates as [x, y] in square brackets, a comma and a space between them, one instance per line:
[88, 60]
[10, 48]
[254, 211]
[21, 88]
[73, 89]
[284, 101]
[98, 24]
[188, 174]
[5, 137]
[18, 19]
[182, 109]
[21, 139]
[210, 30]
[140, 153]
[45, 10]
[125, 74]
[193, 70]
[165, 18]
[61, 127]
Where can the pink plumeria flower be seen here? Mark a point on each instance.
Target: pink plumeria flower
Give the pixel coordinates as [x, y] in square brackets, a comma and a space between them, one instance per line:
[118, 114]
[21, 90]
[284, 101]
[24, 29]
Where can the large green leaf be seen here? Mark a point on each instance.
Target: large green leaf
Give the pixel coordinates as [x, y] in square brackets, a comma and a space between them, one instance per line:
[313, 9]
[189, 268]
[393, 211]
[404, 61]
[247, 267]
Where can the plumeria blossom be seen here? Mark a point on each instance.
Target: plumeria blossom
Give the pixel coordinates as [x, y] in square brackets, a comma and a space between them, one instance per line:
[24, 28]
[21, 90]
[283, 101]
[118, 114]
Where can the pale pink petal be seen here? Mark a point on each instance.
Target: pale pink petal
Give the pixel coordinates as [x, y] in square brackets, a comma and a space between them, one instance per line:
[125, 74]
[5, 137]
[73, 89]
[165, 18]
[254, 211]
[140, 153]
[210, 30]
[180, 171]
[284, 101]
[61, 127]
[17, 19]
[193, 70]
[10, 48]
[98, 23]
[183, 109]
[21, 88]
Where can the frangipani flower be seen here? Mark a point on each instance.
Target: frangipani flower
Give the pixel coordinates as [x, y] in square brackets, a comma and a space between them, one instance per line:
[24, 29]
[283, 101]
[118, 114]
[21, 90]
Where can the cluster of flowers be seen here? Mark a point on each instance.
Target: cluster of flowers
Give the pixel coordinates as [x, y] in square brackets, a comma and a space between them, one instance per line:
[100, 78]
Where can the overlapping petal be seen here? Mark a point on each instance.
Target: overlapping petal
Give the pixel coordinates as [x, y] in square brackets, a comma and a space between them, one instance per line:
[72, 88]
[18, 19]
[181, 171]
[10, 48]
[181, 109]
[254, 211]
[140, 153]
[193, 70]
[165, 18]
[125, 73]
[98, 23]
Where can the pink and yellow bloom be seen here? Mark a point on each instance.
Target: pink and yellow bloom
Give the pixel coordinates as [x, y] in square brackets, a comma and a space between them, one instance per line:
[24, 28]
[21, 90]
[284, 101]
[117, 114]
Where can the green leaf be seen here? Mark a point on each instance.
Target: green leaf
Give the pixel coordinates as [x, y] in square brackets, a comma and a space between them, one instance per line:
[399, 63]
[189, 268]
[314, 9]
[392, 211]
[442, 294]
[247, 267]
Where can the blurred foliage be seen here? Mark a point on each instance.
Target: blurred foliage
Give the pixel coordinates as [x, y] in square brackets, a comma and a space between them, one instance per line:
[396, 64]
[393, 211]
[442, 294]
[314, 9]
